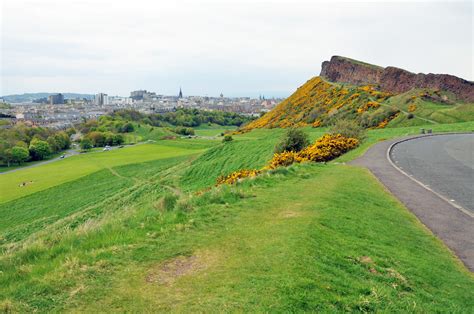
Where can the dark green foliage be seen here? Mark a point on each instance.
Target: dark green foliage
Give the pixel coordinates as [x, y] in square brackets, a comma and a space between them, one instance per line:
[127, 128]
[19, 154]
[86, 144]
[182, 117]
[294, 140]
[39, 149]
[348, 128]
[227, 138]
[23, 136]
[59, 141]
[184, 131]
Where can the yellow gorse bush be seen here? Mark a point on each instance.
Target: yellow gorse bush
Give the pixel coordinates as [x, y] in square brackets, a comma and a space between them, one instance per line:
[237, 175]
[326, 148]
[411, 108]
[367, 106]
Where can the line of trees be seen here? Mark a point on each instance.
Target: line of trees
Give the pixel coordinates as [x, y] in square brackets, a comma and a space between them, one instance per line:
[23, 143]
[183, 117]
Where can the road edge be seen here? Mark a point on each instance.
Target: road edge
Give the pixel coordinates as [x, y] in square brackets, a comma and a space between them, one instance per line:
[389, 150]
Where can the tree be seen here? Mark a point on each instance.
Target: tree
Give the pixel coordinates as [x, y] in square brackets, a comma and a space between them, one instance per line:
[97, 138]
[7, 156]
[293, 141]
[86, 144]
[127, 128]
[39, 149]
[19, 154]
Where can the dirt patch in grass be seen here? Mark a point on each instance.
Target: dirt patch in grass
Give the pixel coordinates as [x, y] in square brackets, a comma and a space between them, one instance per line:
[169, 271]
[290, 214]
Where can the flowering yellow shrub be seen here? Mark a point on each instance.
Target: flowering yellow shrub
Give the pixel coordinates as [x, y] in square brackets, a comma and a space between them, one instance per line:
[411, 108]
[237, 175]
[367, 106]
[316, 124]
[327, 147]
[324, 149]
[283, 159]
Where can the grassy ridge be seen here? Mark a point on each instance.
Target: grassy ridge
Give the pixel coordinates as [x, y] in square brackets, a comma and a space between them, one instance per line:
[305, 238]
[311, 238]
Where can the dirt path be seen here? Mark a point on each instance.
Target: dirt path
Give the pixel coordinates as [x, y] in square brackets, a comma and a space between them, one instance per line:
[453, 226]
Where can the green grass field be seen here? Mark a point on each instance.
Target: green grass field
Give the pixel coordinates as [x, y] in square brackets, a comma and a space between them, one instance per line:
[131, 234]
[73, 167]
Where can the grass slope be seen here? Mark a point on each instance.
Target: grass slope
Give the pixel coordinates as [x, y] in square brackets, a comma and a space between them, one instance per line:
[305, 238]
[71, 168]
[310, 238]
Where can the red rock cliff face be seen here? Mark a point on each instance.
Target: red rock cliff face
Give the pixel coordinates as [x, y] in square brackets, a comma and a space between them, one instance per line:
[393, 80]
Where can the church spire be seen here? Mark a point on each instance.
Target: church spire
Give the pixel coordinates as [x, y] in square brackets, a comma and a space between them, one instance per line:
[180, 93]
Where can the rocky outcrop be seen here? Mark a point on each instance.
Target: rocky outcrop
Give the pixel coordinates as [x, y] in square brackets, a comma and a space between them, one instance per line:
[393, 80]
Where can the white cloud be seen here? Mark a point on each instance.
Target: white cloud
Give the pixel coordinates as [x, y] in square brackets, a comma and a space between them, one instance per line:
[236, 48]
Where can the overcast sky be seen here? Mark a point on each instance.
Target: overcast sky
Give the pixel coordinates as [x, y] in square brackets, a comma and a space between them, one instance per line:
[239, 48]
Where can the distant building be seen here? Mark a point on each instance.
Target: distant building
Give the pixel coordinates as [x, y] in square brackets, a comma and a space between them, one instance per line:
[138, 94]
[101, 99]
[180, 95]
[56, 99]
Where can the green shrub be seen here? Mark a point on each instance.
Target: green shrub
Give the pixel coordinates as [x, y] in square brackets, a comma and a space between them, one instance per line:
[168, 202]
[294, 140]
[227, 138]
[348, 128]
[183, 131]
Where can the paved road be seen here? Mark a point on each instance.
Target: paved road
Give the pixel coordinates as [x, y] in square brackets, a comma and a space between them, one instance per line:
[453, 226]
[67, 153]
[444, 163]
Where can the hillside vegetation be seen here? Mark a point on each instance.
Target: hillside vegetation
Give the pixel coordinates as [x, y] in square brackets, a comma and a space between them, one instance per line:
[319, 102]
[157, 235]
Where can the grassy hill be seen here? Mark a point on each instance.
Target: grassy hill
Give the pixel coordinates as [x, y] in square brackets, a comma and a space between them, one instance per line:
[319, 102]
[145, 230]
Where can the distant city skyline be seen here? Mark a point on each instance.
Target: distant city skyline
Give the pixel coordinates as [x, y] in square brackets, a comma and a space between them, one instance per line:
[208, 48]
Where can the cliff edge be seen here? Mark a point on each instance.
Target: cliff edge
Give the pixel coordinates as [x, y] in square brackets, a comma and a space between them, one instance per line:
[392, 79]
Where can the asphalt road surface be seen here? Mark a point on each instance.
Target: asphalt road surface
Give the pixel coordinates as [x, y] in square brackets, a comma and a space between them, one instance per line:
[445, 163]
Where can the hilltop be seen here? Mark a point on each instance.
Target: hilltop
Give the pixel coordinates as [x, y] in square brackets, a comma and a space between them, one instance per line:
[29, 97]
[374, 96]
[393, 80]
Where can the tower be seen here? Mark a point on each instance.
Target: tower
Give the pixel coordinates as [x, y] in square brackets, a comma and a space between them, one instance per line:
[180, 93]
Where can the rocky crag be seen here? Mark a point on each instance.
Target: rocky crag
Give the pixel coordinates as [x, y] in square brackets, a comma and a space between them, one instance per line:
[392, 79]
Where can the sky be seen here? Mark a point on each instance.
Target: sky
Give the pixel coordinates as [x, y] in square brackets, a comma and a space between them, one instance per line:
[238, 48]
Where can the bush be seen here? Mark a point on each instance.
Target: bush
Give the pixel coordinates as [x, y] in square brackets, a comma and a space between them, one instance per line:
[86, 144]
[168, 202]
[348, 128]
[324, 149]
[410, 116]
[183, 131]
[293, 141]
[227, 138]
[237, 175]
